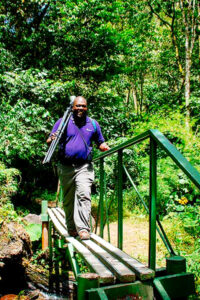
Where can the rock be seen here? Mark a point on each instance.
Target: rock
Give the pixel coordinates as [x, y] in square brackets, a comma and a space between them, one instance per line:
[33, 219]
[14, 297]
[14, 242]
[9, 297]
[15, 245]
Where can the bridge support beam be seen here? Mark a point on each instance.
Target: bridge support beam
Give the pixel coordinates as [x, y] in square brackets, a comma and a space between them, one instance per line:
[85, 282]
[102, 185]
[120, 200]
[45, 223]
[152, 208]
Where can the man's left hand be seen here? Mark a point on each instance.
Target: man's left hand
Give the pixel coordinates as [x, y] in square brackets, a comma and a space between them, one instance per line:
[104, 147]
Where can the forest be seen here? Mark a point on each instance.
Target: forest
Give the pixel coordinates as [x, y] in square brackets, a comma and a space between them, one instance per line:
[137, 64]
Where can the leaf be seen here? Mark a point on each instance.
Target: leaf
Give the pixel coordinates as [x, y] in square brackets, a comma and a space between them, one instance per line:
[35, 231]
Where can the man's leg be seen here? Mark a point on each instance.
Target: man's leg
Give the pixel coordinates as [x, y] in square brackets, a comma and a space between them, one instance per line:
[66, 176]
[82, 202]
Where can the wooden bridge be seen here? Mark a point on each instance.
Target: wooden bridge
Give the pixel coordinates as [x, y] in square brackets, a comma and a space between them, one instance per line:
[113, 274]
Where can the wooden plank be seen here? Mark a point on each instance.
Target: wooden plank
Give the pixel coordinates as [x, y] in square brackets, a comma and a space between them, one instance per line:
[59, 227]
[92, 261]
[60, 215]
[122, 272]
[137, 267]
[141, 270]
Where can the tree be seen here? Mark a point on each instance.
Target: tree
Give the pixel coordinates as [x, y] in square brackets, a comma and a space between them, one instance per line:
[182, 18]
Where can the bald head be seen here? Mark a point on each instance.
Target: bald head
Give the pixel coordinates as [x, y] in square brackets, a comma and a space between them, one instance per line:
[79, 99]
[80, 107]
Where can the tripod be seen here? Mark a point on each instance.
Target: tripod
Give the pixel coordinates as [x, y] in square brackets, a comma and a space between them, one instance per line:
[59, 132]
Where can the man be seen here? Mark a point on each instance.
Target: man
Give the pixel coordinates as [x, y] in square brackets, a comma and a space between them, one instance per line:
[75, 169]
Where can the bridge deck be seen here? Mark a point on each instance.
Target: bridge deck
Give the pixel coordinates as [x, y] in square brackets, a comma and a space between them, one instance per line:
[102, 258]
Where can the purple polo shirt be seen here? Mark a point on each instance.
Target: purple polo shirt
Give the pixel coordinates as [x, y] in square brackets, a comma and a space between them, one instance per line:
[72, 146]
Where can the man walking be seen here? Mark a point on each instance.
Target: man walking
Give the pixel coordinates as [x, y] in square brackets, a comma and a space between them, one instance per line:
[75, 169]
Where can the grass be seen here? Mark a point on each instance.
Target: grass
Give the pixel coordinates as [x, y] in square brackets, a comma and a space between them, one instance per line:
[135, 241]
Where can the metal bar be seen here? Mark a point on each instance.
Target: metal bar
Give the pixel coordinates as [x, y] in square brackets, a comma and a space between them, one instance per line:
[127, 144]
[120, 201]
[161, 229]
[61, 128]
[152, 208]
[177, 157]
[97, 220]
[50, 257]
[101, 195]
[72, 260]
[171, 250]
[135, 188]
[60, 200]
[106, 208]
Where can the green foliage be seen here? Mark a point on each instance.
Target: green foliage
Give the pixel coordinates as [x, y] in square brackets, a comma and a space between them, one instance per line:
[8, 213]
[81, 263]
[9, 182]
[35, 231]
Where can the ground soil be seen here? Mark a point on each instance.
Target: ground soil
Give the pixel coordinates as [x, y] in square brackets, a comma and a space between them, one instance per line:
[135, 239]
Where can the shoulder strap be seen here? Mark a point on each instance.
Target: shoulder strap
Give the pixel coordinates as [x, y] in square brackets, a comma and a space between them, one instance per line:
[94, 124]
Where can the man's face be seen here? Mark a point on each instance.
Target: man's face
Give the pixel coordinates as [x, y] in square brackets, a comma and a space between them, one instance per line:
[80, 107]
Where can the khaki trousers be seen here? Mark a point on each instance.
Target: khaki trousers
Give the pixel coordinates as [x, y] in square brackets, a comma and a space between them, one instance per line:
[76, 182]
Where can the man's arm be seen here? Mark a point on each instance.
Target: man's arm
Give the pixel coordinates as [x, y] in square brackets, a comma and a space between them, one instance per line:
[104, 147]
[51, 137]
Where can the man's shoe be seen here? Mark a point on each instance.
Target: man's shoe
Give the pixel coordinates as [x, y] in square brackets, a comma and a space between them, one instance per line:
[84, 235]
[72, 233]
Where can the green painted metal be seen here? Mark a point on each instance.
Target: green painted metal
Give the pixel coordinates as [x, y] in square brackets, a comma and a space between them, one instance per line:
[165, 144]
[175, 264]
[135, 188]
[72, 260]
[106, 208]
[120, 201]
[160, 228]
[101, 294]
[152, 206]
[164, 237]
[157, 138]
[124, 145]
[177, 157]
[44, 215]
[178, 286]
[122, 291]
[85, 282]
[102, 177]
[60, 199]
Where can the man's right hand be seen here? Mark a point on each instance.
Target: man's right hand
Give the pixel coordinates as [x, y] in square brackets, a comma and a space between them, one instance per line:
[51, 137]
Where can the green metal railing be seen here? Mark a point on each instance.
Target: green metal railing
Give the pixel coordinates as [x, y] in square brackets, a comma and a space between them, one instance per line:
[156, 139]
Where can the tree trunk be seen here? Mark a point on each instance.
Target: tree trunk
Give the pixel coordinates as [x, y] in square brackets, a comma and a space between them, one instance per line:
[135, 99]
[187, 76]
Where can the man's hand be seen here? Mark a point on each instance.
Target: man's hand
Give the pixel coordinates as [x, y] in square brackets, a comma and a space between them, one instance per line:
[52, 137]
[104, 147]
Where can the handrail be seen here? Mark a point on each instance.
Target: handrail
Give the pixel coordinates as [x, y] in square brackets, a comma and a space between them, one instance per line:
[177, 157]
[166, 145]
[126, 144]
[156, 139]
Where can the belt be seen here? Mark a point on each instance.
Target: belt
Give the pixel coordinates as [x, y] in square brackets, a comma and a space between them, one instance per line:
[67, 162]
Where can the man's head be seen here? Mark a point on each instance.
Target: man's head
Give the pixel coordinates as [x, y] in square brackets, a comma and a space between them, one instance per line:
[79, 107]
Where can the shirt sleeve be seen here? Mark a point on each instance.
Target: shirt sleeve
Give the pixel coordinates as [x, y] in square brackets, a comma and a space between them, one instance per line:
[98, 137]
[55, 127]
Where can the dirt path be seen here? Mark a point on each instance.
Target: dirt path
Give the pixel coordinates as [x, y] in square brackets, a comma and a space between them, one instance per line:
[135, 239]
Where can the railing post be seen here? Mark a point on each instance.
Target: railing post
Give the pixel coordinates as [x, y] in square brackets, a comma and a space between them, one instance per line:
[45, 222]
[152, 206]
[102, 178]
[120, 201]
